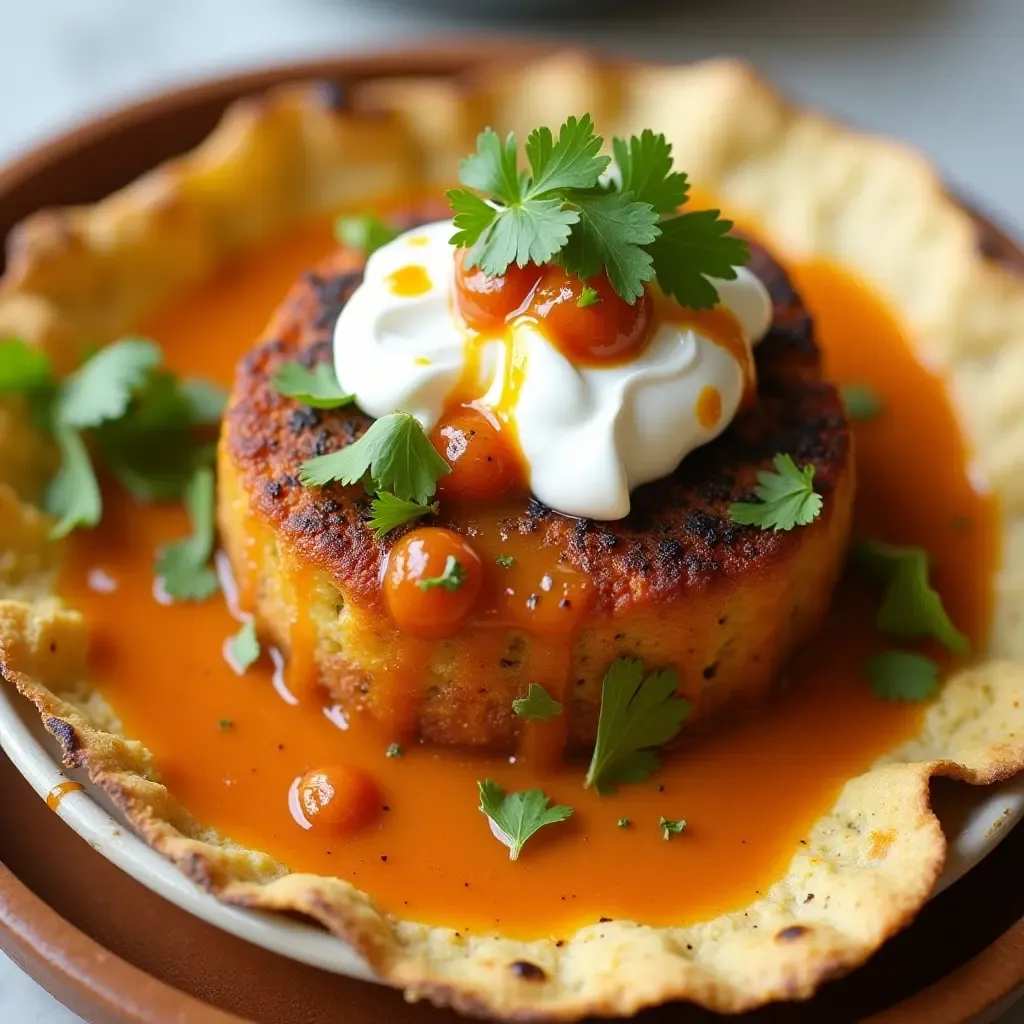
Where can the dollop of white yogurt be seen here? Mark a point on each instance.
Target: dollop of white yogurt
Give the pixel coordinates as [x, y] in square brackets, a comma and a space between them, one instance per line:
[589, 435]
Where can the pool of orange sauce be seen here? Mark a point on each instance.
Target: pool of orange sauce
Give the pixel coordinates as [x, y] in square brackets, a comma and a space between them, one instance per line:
[231, 749]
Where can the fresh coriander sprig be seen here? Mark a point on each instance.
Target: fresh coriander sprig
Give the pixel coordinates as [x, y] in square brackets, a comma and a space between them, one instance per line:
[515, 817]
[902, 675]
[318, 388]
[145, 424]
[638, 714]
[787, 496]
[244, 648]
[364, 231]
[394, 455]
[387, 513]
[670, 827]
[183, 567]
[451, 579]
[911, 607]
[862, 402]
[537, 705]
[563, 210]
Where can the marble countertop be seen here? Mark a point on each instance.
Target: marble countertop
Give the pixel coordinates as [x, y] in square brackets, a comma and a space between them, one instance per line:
[945, 75]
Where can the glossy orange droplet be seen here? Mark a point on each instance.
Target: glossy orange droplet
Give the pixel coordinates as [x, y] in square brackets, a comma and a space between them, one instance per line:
[339, 798]
[485, 463]
[608, 330]
[485, 302]
[419, 606]
[409, 281]
[709, 407]
[61, 790]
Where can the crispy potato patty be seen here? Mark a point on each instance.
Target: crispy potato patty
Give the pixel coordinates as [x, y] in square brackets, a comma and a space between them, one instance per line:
[676, 582]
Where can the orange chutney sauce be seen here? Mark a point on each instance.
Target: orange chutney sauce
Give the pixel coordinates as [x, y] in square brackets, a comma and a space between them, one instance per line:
[231, 750]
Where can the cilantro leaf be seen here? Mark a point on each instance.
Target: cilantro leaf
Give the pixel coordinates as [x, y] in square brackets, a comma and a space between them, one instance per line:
[692, 248]
[472, 216]
[73, 494]
[862, 403]
[243, 649]
[515, 817]
[318, 388]
[451, 578]
[902, 675]
[534, 229]
[389, 512]
[537, 705]
[787, 498]
[23, 368]
[153, 449]
[646, 167]
[183, 566]
[505, 561]
[670, 828]
[637, 714]
[494, 167]
[611, 232]
[396, 455]
[101, 388]
[588, 297]
[206, 400]
[911, 607]
[365, 232]
[571, 162]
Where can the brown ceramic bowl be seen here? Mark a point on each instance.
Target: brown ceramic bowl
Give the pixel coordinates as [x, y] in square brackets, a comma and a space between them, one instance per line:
[86, 931]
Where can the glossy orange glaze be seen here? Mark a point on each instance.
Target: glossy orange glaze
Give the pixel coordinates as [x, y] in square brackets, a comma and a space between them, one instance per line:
[749, 791]
[432, 581]
[709, 407]
[609, 331]
[409, 281]
[56, 795]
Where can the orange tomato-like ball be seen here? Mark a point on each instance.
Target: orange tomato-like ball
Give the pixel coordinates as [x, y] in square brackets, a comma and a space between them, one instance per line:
[485, 301]
[606, 331]
[484, 464]
[432, 581]
[339, 798]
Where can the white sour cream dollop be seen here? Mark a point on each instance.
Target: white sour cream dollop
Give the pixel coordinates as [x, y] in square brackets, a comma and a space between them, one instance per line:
[589, 435]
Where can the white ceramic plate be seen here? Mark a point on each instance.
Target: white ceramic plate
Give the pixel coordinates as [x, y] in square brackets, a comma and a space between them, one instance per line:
[975, 820]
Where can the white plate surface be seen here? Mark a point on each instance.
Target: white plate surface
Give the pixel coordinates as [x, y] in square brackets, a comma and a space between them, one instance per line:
[975, 820]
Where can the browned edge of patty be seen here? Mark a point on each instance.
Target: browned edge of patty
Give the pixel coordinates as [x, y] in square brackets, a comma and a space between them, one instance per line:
[677, 535]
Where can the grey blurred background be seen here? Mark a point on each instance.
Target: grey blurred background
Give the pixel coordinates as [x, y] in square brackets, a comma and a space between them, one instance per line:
[945, 75]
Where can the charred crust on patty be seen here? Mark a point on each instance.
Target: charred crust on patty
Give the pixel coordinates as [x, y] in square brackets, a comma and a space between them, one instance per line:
[678, 533]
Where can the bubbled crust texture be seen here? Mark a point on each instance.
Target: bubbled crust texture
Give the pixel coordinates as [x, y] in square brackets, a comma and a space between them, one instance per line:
[676, 582]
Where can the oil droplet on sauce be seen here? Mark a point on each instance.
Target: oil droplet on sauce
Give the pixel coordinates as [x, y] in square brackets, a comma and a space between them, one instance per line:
[709, 407]
[751, 790]
[61, 790]
[409, 281]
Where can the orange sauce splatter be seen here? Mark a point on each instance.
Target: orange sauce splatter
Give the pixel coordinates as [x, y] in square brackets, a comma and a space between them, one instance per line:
[409, 281]
[709, 407]
[881, 843]
[56, 795]
[750, 791]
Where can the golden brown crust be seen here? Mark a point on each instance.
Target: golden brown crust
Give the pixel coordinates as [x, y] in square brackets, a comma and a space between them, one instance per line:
[819, 192]
[678, 536]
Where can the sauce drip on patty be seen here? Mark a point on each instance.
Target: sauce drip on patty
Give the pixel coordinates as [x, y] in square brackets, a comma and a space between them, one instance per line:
[749, 790]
